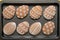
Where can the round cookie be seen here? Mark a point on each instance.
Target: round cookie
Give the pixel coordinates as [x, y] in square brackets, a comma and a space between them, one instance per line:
[35, 28]
[9, 28]
[23, 28]
[48, 28]
[49, 12]
[9, 12]
[36, 12]
[22, 11]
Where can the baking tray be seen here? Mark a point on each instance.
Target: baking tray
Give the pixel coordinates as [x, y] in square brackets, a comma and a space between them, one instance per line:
[54, 35]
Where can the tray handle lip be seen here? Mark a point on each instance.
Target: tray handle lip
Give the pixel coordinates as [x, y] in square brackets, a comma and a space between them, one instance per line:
[30, 3]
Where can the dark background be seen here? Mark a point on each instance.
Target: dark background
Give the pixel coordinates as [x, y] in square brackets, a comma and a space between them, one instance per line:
[27, 1]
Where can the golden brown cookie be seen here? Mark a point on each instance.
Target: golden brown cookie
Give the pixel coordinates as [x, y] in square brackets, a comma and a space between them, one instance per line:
[9, 28]
[36, 12]
[49, 12]
[9, 12]
[23, 28]
[35, 28]
[22, 11]
[48, 28]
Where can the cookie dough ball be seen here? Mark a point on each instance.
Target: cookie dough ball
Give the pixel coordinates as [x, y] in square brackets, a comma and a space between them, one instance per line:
[35, 28]
[9, 28]
[49, 12]
[22, 11]
[48, 28]
[9, 12]
[36, 12]
[23, 28]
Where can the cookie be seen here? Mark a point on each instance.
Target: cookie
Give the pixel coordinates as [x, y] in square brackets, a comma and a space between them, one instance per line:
[9, 12]
[9, 28]
[49, 12]
[22, 11]
[36, 12]
[35, 28]
[48, 28]
[23, 28]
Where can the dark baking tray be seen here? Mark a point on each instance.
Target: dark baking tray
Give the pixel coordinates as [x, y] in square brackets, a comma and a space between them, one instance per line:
[54, 35]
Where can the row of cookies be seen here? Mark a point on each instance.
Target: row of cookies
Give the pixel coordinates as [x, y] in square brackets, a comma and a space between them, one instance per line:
[24, 27]
[35, 12]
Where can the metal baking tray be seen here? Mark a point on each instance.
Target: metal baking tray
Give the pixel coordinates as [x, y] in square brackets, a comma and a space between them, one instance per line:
[54, 35]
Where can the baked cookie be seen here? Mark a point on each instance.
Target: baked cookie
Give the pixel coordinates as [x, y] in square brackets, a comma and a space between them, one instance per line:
[23, 28]
[35, 28]
[48, 28]
[36, 12]
[9, 28]
[9, 12]
[49, 12]
[22, 11]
